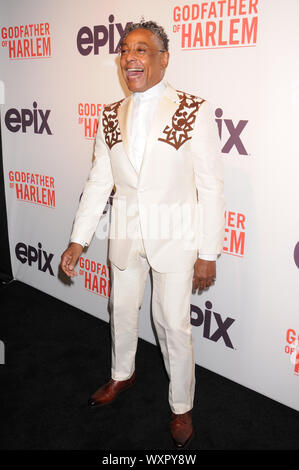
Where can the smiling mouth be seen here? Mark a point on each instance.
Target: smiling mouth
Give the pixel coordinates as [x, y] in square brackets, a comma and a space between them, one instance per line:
[134, 72]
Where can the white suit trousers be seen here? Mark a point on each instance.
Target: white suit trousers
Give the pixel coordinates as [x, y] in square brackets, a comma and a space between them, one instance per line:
[171, 316]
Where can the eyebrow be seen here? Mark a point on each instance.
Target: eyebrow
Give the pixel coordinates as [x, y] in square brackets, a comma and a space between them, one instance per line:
[137, 44]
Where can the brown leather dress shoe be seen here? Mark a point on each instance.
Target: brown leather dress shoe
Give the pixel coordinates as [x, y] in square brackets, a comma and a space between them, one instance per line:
[108, 392]
[181, 429]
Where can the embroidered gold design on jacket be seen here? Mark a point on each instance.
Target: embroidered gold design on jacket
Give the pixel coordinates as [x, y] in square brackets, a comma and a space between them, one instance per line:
[182, 120]
[111, 125]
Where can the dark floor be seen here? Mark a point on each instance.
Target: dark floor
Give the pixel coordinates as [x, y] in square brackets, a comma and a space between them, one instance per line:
[57, 355]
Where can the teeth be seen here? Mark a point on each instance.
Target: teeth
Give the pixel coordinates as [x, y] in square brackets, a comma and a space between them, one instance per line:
[135, 70]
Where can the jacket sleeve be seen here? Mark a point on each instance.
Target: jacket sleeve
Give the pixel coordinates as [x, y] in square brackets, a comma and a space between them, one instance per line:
[96, 192]
[208, 172]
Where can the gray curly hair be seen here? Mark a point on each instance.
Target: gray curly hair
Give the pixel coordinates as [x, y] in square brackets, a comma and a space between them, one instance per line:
[151, 26]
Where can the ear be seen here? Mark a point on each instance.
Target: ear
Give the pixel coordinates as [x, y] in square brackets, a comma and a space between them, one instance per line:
[164, 59]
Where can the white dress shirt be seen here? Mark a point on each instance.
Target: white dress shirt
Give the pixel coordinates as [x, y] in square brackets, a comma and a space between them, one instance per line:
[144, 106]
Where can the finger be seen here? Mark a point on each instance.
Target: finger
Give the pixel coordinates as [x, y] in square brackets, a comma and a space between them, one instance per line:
[195, 284]
[206, 284]
[69, 273]
[211, 281]
[67, 266]
[65, 262]
[70, 260]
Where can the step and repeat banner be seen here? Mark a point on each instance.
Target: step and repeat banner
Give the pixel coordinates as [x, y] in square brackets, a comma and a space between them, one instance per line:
[59, 68]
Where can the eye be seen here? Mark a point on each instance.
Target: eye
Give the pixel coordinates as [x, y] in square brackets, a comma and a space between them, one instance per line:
[123, 51]
[141, 50]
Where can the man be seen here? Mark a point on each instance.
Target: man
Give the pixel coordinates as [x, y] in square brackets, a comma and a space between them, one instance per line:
[160, 149]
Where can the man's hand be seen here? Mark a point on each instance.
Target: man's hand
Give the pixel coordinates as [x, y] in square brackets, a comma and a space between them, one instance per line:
[69, 259]
[204, 274]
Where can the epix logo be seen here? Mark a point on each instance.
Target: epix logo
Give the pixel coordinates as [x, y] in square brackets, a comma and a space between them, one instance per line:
[296, 254]
[198, 317]
[91, 40]
[234, 132]
[29, 254]
[24, 119]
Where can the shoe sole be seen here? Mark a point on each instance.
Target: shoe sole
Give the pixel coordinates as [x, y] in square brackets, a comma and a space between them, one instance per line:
[186, 443]
[98, 405]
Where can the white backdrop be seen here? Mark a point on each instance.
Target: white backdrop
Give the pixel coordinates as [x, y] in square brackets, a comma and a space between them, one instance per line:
[242, 56]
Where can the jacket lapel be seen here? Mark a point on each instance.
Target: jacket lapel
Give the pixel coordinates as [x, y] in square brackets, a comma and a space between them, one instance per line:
[163, 115]
[124, 119]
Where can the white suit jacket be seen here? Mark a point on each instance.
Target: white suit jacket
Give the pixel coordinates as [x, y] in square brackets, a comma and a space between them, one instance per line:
[177, 197]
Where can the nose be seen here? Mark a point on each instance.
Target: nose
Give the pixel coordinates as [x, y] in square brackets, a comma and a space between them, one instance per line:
[131, 54]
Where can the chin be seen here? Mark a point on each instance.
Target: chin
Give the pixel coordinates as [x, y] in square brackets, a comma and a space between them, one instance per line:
[136, 87]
